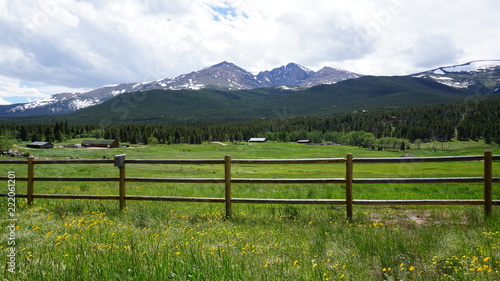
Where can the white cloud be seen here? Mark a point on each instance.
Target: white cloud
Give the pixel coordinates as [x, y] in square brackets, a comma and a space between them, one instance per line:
[435, 49]
[13, 90]
[4, 102]
[85, 44]
[14, 87]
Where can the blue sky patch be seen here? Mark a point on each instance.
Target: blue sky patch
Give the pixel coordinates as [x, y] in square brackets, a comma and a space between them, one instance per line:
[224, 12]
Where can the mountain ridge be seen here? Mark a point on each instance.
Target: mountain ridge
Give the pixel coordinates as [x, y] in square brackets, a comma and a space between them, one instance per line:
[213, 105]
[224, 75]
[481, 76]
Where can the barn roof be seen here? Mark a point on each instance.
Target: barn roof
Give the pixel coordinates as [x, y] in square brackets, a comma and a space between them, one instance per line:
[257, 140]
[98, 141]
[39, 143]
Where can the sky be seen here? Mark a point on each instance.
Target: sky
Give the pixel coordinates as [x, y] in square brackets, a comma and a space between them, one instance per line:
[54, 46]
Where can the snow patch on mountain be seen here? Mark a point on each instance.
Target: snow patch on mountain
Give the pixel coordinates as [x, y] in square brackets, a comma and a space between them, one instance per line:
[118, 92]
[473, 66]
[78, 104]
[483, 74]
[34, 104]
[448, 81]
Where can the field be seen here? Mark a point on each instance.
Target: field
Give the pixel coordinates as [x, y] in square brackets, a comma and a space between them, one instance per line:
[95, 240]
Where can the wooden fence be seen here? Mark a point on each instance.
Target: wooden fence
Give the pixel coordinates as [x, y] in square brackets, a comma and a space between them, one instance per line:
[120, 162]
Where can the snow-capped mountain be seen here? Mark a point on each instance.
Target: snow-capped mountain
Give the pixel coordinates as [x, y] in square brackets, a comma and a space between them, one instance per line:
[328, 75]
[66, 102]
[291, 74]
[480, 75]
[296, 75]
[224, 76]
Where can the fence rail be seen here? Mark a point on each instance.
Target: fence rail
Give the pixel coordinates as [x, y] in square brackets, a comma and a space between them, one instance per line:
[487, 179]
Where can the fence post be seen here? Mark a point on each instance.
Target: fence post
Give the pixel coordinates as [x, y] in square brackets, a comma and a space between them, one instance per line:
[348, 186]
[227, 182]
[119, 162]
[31, 175]
[488, 182]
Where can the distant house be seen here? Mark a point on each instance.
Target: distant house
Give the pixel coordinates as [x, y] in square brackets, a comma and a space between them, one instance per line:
[40, 144]
[303, 141]
[100, 143]
[257, 140]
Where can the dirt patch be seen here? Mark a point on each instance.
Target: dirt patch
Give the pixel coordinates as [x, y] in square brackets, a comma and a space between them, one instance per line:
[419, 219]
[409, 217]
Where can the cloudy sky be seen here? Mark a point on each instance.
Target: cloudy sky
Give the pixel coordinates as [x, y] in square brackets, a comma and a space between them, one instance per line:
[53, 46]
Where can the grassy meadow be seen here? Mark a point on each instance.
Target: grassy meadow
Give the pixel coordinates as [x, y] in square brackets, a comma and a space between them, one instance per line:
[95, 240]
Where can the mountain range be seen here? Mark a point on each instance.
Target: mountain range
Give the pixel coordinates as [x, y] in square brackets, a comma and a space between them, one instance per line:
[360, 95]
[228, 79]
[223, 76]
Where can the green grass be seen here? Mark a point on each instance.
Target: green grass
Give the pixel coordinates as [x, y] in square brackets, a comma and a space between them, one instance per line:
[95, 240]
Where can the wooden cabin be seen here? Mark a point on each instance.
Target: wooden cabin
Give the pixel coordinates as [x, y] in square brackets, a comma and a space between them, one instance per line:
[40, 144]
[100, 143]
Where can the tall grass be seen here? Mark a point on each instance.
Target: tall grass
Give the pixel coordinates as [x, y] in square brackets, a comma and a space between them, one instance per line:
[95, 240]
[84, 240]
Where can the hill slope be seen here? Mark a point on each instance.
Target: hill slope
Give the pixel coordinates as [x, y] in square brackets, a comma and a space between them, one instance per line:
[222, 106]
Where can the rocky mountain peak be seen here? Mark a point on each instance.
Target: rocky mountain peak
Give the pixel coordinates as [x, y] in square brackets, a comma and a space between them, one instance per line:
[329, 75]
[291, 74]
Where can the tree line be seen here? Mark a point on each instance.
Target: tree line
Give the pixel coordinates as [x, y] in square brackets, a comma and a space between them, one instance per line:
[377, 129]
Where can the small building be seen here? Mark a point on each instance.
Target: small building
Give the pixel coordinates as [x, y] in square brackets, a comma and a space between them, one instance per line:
[303, 141]
[40, 144]
[257, 140]
[100, 143]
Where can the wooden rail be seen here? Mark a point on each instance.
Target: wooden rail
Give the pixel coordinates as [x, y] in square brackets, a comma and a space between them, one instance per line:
[120, 162]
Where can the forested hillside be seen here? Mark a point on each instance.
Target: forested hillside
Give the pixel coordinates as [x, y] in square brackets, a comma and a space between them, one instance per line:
[270, 103]
[169, 106]
[466, 120]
